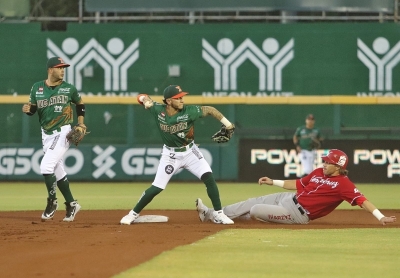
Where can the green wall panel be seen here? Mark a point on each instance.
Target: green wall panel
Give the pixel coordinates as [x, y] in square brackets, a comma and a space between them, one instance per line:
[214, 59]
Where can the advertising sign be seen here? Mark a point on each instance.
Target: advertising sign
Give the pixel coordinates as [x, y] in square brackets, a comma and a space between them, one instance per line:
[97, 163]
[370, 161]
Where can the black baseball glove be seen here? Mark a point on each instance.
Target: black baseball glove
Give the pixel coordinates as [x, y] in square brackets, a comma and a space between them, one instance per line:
[224, 134]
[77, 133]
[315, 143]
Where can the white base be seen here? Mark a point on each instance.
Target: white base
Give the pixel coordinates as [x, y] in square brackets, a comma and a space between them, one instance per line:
[151, 219]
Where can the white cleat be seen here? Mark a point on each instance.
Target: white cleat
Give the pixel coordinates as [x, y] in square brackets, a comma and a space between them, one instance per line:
[129, 218]
[221, 218]
[72, 209]
[202, 210]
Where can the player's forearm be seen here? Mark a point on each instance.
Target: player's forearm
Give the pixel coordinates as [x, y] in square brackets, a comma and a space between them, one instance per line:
[368, 206]
[209, 110]
[286, 184]
[81, 120]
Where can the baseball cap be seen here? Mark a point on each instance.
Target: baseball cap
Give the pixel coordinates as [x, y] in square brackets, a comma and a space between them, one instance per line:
[173, 91]
[336, 157]
[56, 62]
[310, 117]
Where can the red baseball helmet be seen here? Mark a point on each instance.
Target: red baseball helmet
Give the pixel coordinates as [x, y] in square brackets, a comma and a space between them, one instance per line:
[336, 157]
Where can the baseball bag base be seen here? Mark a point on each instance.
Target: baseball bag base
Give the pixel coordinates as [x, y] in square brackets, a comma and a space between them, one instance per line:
[151, 219]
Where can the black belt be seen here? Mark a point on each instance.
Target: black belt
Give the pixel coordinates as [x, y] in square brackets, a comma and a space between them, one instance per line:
[299, 207]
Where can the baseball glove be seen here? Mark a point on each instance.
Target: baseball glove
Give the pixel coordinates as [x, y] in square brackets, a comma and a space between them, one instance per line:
[224, 134]
[315, 143]
[77, 133]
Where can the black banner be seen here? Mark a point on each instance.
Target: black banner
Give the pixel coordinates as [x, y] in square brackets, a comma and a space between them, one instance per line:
[370, 161]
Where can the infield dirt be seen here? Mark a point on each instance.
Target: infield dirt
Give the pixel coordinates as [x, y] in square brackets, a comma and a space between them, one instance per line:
[95, 245]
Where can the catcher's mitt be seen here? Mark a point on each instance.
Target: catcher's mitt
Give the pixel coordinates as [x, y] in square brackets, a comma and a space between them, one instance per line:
[76, 134]
[224, 134]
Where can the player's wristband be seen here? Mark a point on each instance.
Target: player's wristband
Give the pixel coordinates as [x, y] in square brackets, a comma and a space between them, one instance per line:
[225, 122]
[378, 214]
[278, 183]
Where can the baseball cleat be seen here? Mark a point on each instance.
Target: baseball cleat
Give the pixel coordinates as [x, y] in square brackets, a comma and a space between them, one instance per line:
[221, 218]
[72, 209]
[129, 218]
[50, 209]
[202, 210]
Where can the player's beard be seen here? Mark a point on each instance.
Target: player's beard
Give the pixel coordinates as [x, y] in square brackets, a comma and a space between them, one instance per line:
[178, 107]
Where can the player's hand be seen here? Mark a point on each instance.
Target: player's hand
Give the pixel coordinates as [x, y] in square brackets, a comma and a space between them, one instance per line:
[298, 149]
[26, 108]
[265, 180]
[389, 219]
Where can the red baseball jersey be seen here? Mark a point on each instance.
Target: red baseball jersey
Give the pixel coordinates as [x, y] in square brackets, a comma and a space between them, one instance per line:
[320, 194]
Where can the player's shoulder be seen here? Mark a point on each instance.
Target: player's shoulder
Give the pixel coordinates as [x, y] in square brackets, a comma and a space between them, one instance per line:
[192, 108]
[65, 84]
[40, 83]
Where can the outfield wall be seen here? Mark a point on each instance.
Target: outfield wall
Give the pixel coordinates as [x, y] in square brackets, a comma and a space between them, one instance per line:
[208, 59]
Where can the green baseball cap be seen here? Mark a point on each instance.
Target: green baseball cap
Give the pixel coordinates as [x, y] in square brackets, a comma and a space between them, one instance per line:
[56, 62]
[173, 91]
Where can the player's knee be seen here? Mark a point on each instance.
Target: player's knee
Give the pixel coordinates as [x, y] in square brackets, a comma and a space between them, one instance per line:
[206, 176]
[256, 212]
[46, 169]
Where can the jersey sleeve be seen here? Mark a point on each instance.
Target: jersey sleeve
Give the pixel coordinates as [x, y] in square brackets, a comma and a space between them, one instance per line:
[194, 111]
[352, 195]
[75, 96]
[32, 95]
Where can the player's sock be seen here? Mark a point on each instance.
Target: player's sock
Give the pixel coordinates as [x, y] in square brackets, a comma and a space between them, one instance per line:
[63, 185]
[50, 181]
[146, 198]
[212, 190]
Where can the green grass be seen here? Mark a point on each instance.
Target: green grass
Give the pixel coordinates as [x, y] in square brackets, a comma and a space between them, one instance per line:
[280, 253]
[103, 196]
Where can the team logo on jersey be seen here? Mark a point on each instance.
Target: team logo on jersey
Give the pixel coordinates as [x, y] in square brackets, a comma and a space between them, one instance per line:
[64, 90]
[39, 91]
[342, 160]
[182, 118]
[322, 181]
[169, 169]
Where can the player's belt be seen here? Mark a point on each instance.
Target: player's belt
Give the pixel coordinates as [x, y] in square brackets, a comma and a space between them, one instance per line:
[299, 207]
[180, 149]
[52, 132]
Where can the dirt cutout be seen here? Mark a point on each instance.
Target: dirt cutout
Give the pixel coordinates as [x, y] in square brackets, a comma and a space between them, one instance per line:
[95, 245]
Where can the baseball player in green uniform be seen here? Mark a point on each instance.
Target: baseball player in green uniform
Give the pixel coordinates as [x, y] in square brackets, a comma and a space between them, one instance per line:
[51, 99]
[175, 122]
[307, 139]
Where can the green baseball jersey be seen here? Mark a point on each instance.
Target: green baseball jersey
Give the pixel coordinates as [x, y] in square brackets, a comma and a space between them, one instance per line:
[306, 136]
[54, 104]
[176, 130]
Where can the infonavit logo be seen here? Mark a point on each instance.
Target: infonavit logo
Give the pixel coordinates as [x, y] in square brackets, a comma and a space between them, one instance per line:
[115, 69]
[270, 61]
[380, 69]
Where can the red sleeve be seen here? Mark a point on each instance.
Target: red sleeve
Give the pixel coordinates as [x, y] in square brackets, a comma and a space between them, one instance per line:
[351, 194]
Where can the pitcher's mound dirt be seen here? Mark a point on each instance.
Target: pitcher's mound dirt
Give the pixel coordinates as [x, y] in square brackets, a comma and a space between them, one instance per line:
[95, 245]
